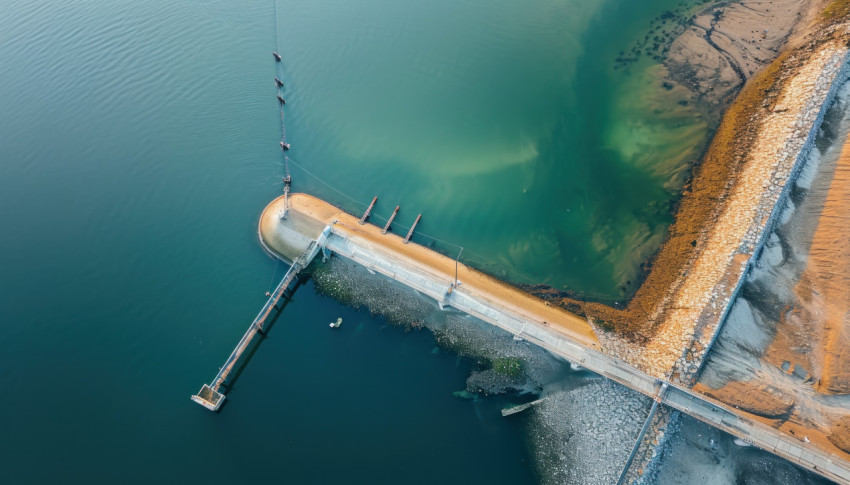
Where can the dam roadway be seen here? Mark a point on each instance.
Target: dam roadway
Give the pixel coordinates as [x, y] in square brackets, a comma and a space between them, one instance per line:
[309, 219]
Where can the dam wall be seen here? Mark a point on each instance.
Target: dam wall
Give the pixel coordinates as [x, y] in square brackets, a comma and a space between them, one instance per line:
[442, 290]
[447, 281]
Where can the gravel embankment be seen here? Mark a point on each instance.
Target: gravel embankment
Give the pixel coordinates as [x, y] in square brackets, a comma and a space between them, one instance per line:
[585, 435]
[584, 429]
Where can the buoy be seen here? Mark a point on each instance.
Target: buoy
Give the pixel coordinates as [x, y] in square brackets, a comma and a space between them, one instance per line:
[276, 56]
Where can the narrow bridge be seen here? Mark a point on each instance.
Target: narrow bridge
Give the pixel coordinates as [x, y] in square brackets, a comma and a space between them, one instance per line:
[210, 396]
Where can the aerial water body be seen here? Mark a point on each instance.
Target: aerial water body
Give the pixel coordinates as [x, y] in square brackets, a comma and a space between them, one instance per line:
[504, 123]
[140, 143]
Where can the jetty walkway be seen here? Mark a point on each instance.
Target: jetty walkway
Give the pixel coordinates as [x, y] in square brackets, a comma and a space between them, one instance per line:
[210, 396]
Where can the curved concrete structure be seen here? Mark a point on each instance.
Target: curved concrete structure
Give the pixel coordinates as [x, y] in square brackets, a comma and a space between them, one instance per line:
[416, 266]
[288, 238]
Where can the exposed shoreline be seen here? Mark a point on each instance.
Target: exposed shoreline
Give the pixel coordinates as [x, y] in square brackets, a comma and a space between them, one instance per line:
[783, 356]
[658, 322]
[712, 181]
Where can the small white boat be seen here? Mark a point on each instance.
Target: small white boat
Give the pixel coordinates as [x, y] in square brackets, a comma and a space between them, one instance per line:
[741, 442]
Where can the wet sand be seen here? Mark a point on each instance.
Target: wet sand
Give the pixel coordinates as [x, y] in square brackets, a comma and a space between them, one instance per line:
[826, 283]
[730, 42]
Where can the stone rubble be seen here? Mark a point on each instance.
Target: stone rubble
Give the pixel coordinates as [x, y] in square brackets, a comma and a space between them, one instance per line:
[581, 435]
[599, 435]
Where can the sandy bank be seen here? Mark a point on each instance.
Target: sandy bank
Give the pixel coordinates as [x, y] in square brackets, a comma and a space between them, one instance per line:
[824, 322]
[812, 332]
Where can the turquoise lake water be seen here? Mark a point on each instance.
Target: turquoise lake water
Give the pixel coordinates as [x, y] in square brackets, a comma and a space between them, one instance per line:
[140, 143]
[503, 123]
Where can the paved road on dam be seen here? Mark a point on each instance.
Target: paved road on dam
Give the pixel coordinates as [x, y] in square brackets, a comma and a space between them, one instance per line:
[560, 332]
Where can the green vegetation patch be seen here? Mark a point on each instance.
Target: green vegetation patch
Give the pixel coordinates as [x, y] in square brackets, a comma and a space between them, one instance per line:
[508, 366]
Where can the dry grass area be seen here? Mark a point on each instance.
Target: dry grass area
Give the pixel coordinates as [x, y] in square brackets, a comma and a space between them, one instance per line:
[836, 11]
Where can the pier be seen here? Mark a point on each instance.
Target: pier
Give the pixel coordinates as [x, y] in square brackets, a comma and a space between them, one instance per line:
[210, 395]
[412, 228]
[368, 211]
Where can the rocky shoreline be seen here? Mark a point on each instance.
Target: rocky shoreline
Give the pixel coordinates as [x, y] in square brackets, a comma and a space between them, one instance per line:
[585, 435]
[584, 426]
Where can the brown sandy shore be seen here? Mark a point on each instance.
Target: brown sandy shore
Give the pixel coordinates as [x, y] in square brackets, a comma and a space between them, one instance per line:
[816, 332]
[827, 280]
[811, 333]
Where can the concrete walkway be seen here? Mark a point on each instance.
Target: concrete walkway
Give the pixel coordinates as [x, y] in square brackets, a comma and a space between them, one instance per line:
[495, 302]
